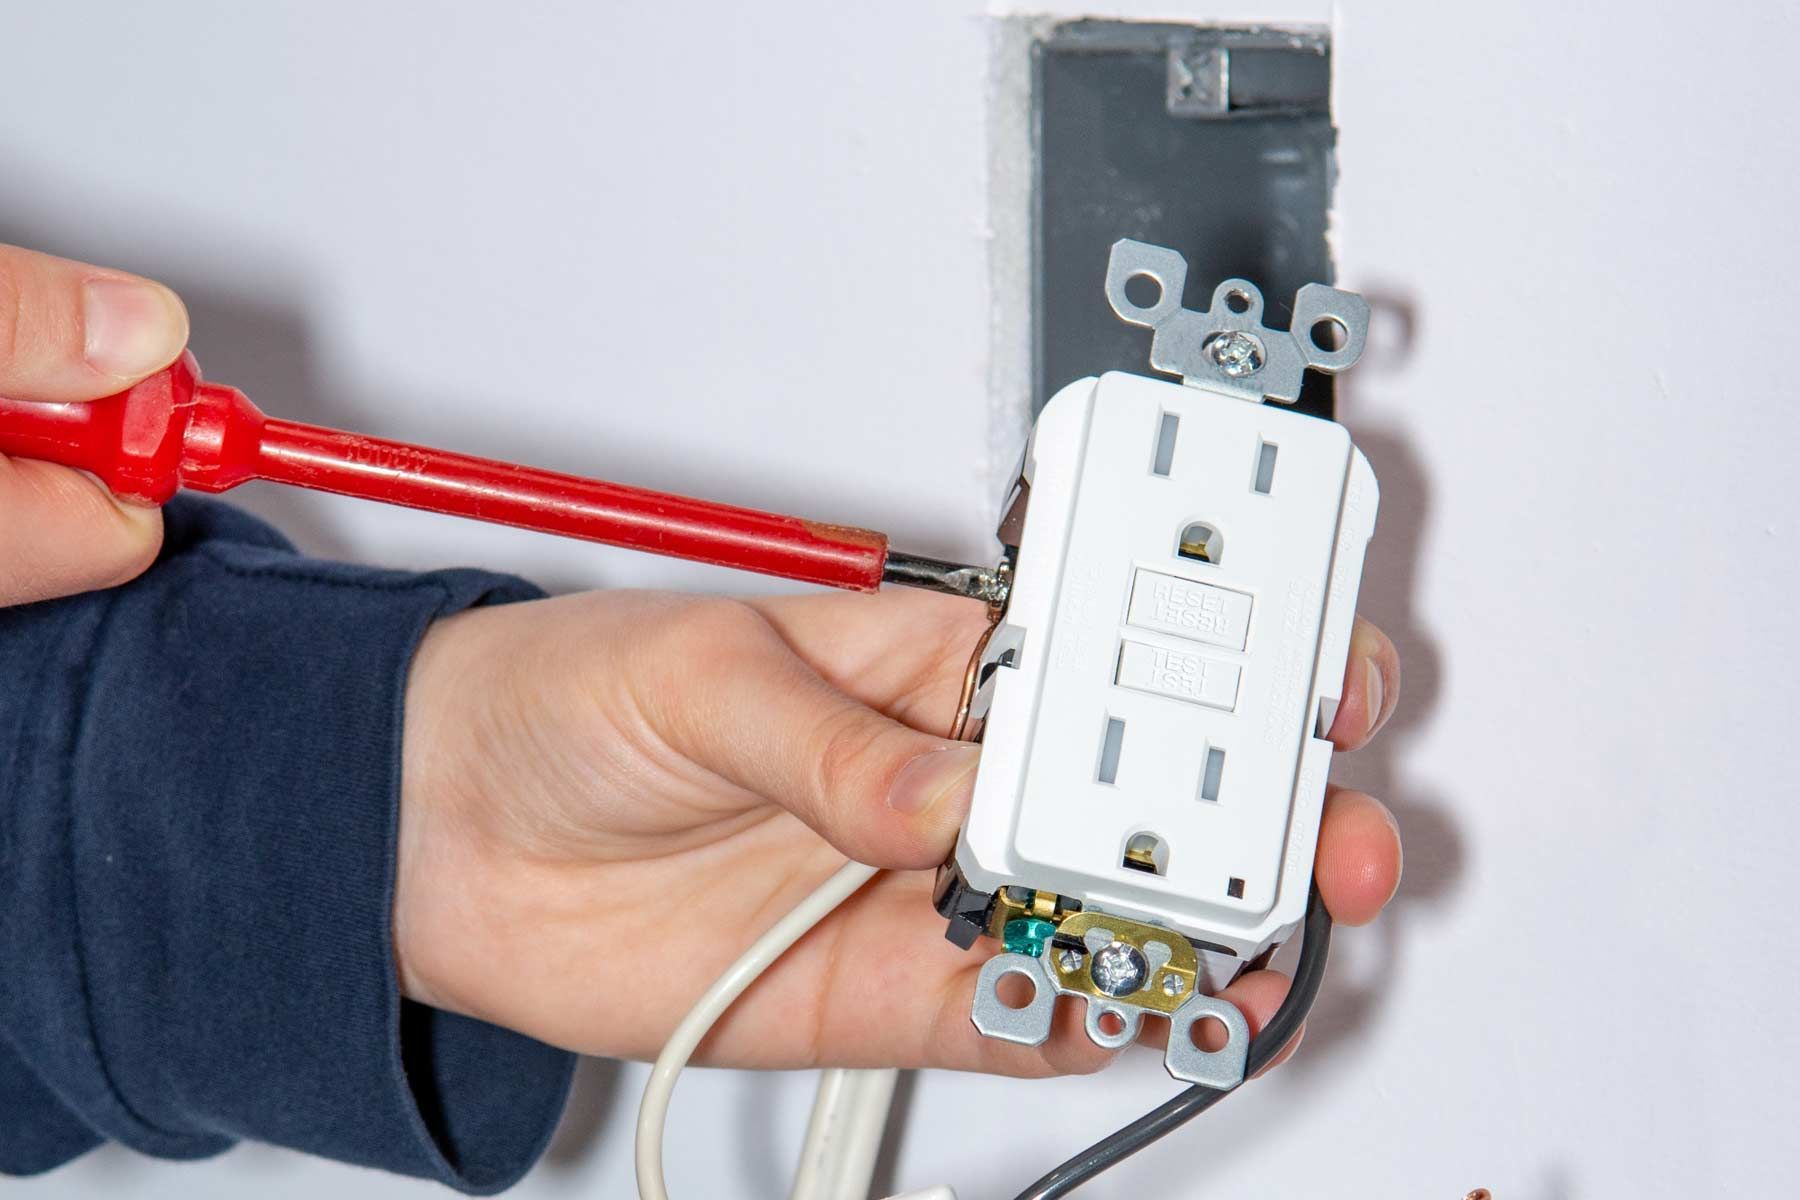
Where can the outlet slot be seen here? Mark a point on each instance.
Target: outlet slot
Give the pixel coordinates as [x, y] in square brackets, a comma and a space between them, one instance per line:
[1201, 542]
[1264, 479]
[1110, 745]
[1147, 853]
[1213, 774]
[1234, 887]
[1164, 459]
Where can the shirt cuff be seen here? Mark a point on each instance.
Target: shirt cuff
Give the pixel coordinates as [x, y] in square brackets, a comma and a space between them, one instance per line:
[230, 731]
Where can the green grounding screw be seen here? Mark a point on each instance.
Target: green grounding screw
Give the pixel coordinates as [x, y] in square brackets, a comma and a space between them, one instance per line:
[1027, 935]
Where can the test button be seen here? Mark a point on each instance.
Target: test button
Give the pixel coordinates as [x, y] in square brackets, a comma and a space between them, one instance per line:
[1178, 674]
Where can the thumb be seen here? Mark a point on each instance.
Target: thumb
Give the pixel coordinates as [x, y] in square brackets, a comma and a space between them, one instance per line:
[61, 532]
[74, 332]
[879, 791]
[71, 332]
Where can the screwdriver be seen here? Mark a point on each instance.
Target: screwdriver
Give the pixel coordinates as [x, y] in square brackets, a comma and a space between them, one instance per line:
[174, 430]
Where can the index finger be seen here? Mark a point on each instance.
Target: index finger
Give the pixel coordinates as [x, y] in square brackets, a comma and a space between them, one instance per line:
[900, 650]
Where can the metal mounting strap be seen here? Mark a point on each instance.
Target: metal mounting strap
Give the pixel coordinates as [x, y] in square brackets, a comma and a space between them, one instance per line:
[1226, 347]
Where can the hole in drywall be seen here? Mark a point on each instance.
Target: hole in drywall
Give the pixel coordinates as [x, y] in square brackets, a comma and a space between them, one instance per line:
[1164, 458]
[1213, 773]
[1216, 142]
[1015, 989]
[1264, 480]
[1200, 542]
[1110, 745]
[1234, 887]
[1329, 334]
[1237, 300]
[1209, 1034]
[1147, 853]
[1143, 290]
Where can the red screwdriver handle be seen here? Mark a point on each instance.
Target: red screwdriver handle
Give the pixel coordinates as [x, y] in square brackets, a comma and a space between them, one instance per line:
[173, 430]
[132, 441]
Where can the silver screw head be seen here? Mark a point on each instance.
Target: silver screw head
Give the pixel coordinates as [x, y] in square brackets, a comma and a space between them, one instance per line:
[1236, 353]
[1119, 969]
[1172, 984]
[1068, 961]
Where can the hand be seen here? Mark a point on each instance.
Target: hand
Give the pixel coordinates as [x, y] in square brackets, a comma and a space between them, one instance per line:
[608, 796]
[70, 332]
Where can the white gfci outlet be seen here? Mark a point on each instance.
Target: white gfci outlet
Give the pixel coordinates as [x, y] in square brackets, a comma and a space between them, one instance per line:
[1173, 647]
[1150, 699]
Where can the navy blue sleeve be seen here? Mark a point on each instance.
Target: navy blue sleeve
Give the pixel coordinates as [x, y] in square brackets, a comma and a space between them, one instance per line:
[201, 775]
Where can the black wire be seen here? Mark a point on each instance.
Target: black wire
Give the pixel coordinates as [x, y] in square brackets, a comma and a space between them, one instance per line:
[1166, 1118]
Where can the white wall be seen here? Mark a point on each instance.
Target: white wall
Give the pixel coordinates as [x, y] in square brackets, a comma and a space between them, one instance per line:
[739, 250]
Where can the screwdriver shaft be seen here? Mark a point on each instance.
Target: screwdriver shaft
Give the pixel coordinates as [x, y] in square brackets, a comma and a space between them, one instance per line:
[594, 510]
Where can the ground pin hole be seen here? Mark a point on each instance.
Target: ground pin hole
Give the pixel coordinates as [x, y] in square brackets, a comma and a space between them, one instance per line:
[1147, 853]
[1201, 542]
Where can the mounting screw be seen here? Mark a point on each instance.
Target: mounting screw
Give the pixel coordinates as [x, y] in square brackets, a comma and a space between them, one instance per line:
[1069, 961]
[1235, 352]
[1119, 969]
[1173, 985]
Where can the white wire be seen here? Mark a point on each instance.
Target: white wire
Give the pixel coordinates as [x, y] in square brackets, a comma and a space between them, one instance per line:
[653, 1110]
[843, 1139]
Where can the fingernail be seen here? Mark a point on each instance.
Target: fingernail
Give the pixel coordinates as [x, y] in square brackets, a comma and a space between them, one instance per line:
[1372, 693]
[132, 326]
[1399, 850]
[930, 777]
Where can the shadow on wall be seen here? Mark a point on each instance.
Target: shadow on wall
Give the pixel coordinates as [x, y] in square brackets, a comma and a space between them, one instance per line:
[1434, 846]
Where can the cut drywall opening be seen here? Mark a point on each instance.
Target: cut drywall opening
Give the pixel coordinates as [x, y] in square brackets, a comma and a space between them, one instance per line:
[1214, 141]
